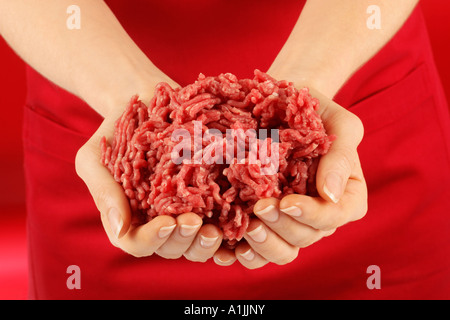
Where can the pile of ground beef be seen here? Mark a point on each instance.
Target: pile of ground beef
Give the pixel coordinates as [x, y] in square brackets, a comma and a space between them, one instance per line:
[222, 188]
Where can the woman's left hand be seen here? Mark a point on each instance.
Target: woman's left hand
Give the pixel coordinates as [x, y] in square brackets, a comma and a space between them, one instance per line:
[296, 221]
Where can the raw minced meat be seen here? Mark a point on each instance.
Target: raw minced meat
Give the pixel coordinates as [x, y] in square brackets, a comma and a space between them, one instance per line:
[250, 139]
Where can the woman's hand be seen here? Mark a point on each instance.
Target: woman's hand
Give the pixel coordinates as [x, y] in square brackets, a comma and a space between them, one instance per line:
[321, 51]
[284, 226]
[166, 236]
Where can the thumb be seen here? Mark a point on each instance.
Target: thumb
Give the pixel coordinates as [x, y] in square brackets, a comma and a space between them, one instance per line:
[108, 195]
[336, 167]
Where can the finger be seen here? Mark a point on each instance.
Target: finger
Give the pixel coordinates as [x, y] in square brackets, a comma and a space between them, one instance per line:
[248, 257]
[291, 230]
[144, 240]
[205, 244]
[224, 257]
[268, 244]
[108, 195]
[181, 238]
[336, 166]
[324, 215]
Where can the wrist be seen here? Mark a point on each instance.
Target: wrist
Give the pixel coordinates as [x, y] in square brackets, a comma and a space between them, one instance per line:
[116, 94]
[318, 77]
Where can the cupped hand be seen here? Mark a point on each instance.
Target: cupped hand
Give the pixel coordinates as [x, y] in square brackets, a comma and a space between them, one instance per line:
[164, 235]
[282, 227]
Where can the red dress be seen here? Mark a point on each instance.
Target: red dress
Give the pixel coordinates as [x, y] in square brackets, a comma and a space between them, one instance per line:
[405, 156]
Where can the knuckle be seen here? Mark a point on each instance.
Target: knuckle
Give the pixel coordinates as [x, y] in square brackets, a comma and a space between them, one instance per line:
[251, 266]
[134, 249]
[133, 253]
[79, 160]
[361, 213]
[313, 218]
[194, 258]
[338, 221]
[319, 221]
[345, 160]
[331, 222]
[167, 255]
[288, 257]
[100, 196]
[364, 210]
[304, 242]
[329, 232]
[356, 124]
[84, 157]
[360, 128]
[115, 244]
[137, 253]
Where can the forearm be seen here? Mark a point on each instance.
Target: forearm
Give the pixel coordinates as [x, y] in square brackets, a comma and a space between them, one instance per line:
[331, 40]
[99, 62]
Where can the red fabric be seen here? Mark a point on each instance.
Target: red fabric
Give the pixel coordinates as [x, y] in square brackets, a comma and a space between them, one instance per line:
[405, 156]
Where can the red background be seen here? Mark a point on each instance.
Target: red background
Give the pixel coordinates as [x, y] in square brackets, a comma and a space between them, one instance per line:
[13, 257]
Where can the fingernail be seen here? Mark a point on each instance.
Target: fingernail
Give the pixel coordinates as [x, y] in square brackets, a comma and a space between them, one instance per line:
[248, 255]
[270, 213]
[259, 234]
[115, 221]
[165, 231]
[333, 186]
[206, 242]
[292, 211]
[221, 262]
[188, 230]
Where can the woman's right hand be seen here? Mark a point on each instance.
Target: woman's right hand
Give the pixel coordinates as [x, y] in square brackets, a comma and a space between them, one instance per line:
[164, 235]
[97, 63]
